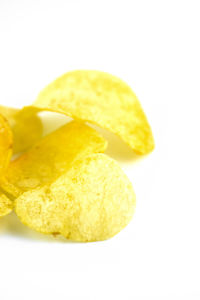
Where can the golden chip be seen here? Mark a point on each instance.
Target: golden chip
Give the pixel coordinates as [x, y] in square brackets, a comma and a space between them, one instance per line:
[51, 157]
[6, 142]
[92, 201]
[102, 99]
[25, 124]
[6, 205]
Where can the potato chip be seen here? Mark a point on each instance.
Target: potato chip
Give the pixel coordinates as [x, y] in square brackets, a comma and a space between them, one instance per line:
[25, 124]
[6, 205]
[51, 156]
[6, 143]
[92, 201]
[102, 99]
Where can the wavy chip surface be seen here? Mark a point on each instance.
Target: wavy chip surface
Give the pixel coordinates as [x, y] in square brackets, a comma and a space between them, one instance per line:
[6, 144]
[6, 205]
[92, 201]
[102, 99]
[51, 157]
[25, 124]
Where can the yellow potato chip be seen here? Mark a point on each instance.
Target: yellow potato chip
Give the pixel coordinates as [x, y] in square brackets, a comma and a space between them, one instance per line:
[6, 205]
[102, 99]
[92, 201]
[6, 143]
[25, 124]
[51, 156]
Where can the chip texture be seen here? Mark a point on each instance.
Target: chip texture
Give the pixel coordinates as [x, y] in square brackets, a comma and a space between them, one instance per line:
[92, 201]
[6, 205]
[6, 143]
[51, 156]
[102, 99]
[25, 124]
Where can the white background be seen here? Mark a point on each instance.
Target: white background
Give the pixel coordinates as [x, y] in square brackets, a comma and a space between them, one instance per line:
[154, 46]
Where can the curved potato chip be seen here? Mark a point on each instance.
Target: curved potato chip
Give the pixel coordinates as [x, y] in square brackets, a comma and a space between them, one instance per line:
[25, 124]
[6, 205]
[6, 142]
[102, 99]
[93, 201]
[51, 156]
